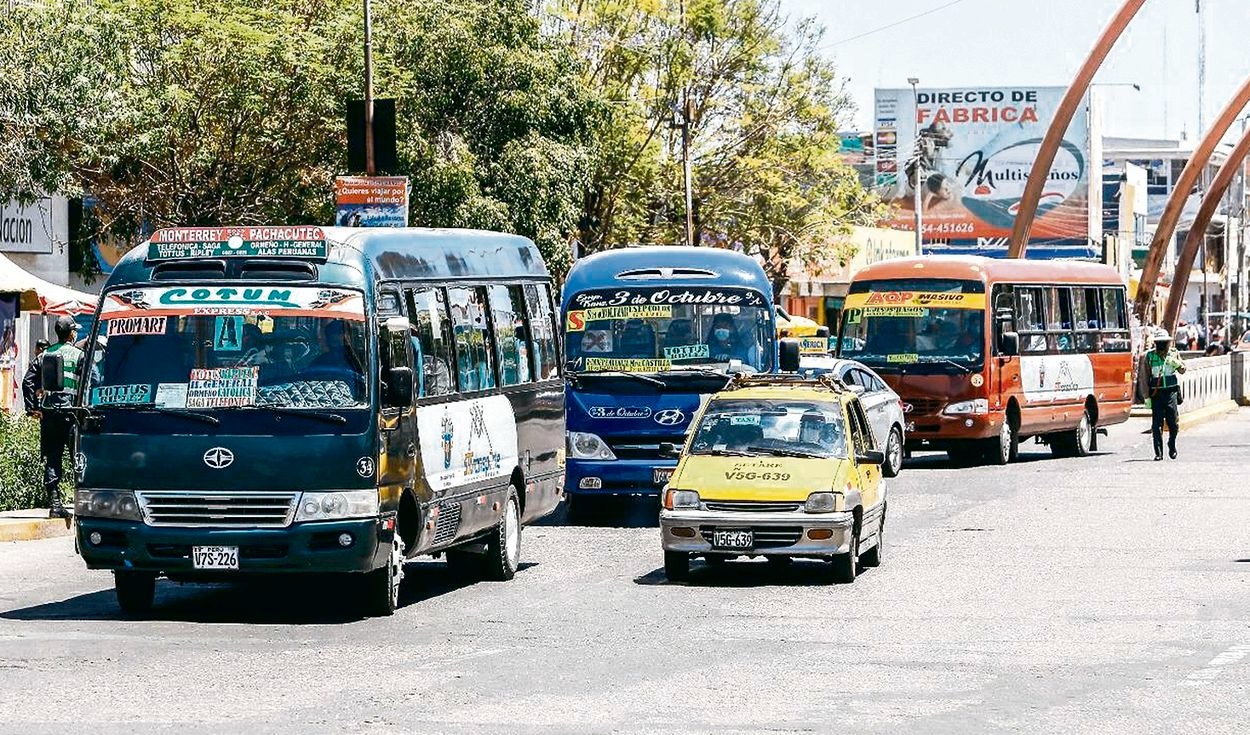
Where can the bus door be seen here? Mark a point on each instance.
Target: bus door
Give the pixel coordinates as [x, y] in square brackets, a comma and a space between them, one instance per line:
[396, 471]
[1006, 346]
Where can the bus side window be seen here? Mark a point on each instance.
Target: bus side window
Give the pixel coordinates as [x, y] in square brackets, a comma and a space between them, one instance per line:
[431, 342]
[508, 312]
[1061, 323]
[542, 331]
[1030, 319]
[1115, 335]
[474, 354]
[1084, 321]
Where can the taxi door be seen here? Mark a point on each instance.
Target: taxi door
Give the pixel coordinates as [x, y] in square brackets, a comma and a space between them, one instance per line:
[869, 474]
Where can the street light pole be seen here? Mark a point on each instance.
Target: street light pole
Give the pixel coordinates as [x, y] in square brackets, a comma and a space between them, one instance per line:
[917, 202]
[370, 166]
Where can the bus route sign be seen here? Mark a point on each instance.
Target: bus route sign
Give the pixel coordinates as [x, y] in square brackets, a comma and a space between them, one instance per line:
[238, 242]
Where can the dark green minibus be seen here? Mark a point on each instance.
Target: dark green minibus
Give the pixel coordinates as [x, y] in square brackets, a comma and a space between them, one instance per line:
[303, 399]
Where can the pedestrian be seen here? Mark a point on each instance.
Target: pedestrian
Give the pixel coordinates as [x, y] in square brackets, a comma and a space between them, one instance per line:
[1158, 371]
[31, 390]
[57, 427]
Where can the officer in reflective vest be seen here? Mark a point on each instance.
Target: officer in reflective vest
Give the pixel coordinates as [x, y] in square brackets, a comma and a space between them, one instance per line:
[1158, 371]
[57, 427]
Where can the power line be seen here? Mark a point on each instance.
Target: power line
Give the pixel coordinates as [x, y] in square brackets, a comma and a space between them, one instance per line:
[895, 24]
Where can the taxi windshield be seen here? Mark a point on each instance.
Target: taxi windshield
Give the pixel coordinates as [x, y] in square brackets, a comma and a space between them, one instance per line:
[761, 427]
[230, 347]
[660, 330]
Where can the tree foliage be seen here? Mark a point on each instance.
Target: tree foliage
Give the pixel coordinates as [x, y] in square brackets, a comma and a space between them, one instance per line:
[765, 107]
[200, 112]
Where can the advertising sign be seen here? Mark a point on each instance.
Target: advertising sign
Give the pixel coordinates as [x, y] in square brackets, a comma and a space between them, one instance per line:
[971, 150]
[34, 228]
[371, 201]
[238, 242]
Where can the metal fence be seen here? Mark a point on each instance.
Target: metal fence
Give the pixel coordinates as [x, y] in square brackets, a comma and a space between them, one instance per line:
[1207, 381]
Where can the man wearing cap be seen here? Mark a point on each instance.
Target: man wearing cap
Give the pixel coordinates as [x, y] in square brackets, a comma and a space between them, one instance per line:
[57, 428]
[30, 382]
[1158, 375]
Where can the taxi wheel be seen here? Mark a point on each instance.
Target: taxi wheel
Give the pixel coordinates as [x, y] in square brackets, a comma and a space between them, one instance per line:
[893, 454]
[677, 566]
[135, 591]
[846, 566]
[873, 556]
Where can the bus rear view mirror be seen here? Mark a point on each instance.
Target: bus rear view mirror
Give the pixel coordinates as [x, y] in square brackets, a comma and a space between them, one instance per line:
[399, 387]
[822, 332]
[1009, 344]
[52, 373]
[788, 352]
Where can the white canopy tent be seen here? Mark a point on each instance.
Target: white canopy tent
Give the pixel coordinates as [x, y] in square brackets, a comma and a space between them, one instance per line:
[41, 297]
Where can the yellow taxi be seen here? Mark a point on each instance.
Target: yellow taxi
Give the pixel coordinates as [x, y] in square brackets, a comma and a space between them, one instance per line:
[777, 466]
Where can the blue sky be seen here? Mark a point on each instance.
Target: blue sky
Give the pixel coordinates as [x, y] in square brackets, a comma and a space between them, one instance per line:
[1042, 42]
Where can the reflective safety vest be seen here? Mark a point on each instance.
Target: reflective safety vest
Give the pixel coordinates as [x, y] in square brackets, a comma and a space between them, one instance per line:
[1163, 370]
[71, 356]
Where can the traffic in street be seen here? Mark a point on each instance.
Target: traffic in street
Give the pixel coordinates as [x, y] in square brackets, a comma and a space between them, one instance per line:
[1084, 595]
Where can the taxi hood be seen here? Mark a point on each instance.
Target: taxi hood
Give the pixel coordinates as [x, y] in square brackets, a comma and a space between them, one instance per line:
[767, 478]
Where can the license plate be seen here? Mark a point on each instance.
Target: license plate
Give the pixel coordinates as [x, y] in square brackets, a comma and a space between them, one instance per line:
[661, 475]
[733, 538]
[911, 427]
[215, 557]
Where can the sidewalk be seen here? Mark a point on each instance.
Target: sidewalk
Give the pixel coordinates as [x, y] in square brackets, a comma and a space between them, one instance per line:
[1194, 418]
[27, 525]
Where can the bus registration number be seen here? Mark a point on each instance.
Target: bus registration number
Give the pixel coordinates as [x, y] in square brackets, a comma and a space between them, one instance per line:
[661, 475]
[215, 557]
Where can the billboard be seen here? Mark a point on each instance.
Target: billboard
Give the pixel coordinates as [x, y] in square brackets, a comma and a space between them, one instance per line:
[371, 201]
[971, 150]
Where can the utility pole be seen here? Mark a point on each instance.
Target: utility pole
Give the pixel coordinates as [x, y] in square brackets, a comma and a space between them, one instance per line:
[370, 165]
[917, 201]
[685, 141]
[1200, 9]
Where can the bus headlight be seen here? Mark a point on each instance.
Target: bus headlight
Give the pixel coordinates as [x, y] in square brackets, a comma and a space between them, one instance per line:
[337, 505]
[977, 406]
[118, 504]
[584, 445]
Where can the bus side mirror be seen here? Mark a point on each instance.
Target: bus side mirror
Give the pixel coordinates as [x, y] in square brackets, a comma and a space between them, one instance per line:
[399, 387]
[822, 332]
[1009, 344]
[52, 373]
[669, 449]
[788, 352]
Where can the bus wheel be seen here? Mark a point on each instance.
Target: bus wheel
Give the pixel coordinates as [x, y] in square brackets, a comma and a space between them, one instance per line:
[135, 591]
[1075, 443]
[503, 546]
[1002, 449]
[381, 594]
[677, 566]
[893, 453]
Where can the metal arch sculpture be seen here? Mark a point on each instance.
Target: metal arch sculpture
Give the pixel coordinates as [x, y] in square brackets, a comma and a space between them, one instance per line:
[1210, 202]
[1180, 194]
[1059, 125]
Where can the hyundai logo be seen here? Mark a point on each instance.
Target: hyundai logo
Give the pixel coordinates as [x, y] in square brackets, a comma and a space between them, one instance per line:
[219, 458]
[670, 417]
[908, 408]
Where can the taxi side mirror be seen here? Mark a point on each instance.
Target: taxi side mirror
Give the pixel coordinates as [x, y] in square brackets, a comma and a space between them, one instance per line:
[52, 373]
[871, 456]
[788, 355]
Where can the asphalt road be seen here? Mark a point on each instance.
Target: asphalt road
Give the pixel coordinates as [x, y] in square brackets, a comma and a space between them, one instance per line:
[1100, 595]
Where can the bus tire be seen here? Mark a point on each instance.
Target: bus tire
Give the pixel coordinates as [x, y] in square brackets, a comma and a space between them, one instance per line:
[893, 453]
[135, 591]
[677, 566]
[1003, 448]
[1074, 443]
[503, 545]
[381, 586]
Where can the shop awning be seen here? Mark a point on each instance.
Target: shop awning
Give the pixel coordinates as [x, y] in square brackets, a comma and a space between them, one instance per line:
[40, 296]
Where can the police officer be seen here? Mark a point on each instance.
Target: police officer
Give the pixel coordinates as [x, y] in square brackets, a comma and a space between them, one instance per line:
[1158, 372]
[57, 427]
[30, 382]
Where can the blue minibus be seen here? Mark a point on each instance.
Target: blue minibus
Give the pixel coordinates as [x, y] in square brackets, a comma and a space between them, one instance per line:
[649, 332]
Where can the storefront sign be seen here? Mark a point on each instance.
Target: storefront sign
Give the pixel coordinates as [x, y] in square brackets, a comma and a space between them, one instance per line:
[34, 228]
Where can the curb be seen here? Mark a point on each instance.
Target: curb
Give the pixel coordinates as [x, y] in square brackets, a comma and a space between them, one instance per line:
[35, 528]
[1207, 413]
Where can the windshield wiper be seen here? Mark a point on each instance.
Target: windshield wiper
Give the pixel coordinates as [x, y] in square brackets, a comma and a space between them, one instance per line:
[333, 418]
[165, 411]
[727, 453]
[620, 374]
[788, 452]
[707, 372]
[948, 361]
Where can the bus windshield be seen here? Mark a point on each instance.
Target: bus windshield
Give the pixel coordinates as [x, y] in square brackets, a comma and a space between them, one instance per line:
[219, 347]
[899, 322]
[655, 330]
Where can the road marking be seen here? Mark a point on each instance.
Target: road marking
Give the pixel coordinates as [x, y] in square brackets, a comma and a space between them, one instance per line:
[1214, 667]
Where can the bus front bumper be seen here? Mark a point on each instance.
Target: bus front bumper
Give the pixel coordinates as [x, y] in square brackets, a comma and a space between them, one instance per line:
[617, 477]
[921, 429]
[300, 547]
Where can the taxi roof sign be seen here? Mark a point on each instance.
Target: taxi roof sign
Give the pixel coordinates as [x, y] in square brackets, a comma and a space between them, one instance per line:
[300, 241]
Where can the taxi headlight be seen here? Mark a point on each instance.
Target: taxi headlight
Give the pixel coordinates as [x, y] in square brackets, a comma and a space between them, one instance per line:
[976, 406]
[585, 445]
[118, 504]
[337, 505]
[821, 503]
[681, 500]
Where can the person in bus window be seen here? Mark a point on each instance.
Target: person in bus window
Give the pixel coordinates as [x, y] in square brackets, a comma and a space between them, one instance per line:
[637, 340]
[725, 343]
[926, 341]
[679, 333]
